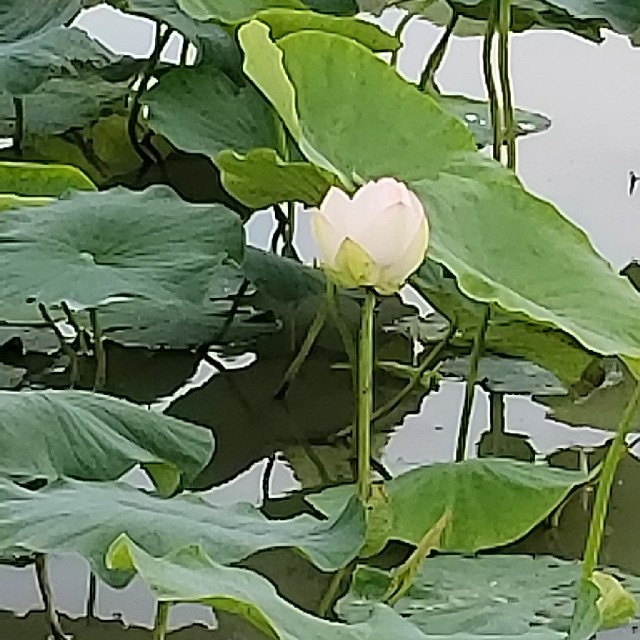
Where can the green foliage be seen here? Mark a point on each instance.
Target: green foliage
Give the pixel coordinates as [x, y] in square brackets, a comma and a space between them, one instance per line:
[53, 434]
[60, 519]
[472, 202]
[493, 502]
[493, 596]
[95, 247]
[285, 98]
[191, 576]
[34, 180]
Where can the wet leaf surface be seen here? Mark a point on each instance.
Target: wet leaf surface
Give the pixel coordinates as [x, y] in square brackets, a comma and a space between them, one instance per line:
[85, 518]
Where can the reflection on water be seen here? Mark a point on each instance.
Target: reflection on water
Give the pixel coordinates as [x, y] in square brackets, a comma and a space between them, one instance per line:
[306, 435]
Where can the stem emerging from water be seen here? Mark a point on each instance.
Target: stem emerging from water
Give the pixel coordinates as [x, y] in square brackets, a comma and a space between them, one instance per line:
[100, 378]
[469, 392]
[509, 131]
[427, 79]
[42, 575]
[18, 129]
[487, 69]
[365, 395]
[402, 25]
[162, 617]
[617, 449]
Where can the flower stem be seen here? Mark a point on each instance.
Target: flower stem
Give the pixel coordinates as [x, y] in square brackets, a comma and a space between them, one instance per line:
[162, 617]
[487, 69]
[427, 79]
[365, 395]
[469, 392]
[603, 492]
[343, 329]
[509, 131]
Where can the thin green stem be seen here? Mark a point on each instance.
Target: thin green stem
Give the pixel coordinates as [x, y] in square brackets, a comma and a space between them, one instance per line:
[365, 395]
[92, 597]
[469, 392]
[496, 413]
[487, 69]
[162, 618]
[18, 129]
[426, 365]
[161, 41]
[305, 349]
[427, 79]
[509, 133]
[617, 449]
[100, 378]
[402, 25]
[184, 51]
[333, 588]
[345, 334]
[42, 577]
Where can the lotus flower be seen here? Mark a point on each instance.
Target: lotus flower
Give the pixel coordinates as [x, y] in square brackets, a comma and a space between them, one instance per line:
[376, 239]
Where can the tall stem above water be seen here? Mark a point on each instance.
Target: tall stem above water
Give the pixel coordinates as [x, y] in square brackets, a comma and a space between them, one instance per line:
[365, 395]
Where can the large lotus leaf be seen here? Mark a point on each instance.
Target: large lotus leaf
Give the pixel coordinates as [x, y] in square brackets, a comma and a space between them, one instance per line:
[19, 19]
[60, 51]
[482, 220]
[497, 596]
[492, 501]
[507, 334]
[232, 11]
[181, 323]
[619, 15]
[32, 179]
[282, 22]
[86, 517]
[200, 109]
[51, 434]
[261, 178]
[64, 103]
[475, 114]
[191, 576]
[525, 14]
[92, 247]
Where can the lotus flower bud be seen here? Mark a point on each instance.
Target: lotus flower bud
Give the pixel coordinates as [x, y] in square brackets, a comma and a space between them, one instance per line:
[376, 239]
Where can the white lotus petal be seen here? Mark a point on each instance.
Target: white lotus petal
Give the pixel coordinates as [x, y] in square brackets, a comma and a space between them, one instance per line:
[328, 238]
[336, 207]
[411, 258]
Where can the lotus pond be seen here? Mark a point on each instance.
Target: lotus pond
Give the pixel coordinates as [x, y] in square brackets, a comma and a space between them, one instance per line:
[189, 444]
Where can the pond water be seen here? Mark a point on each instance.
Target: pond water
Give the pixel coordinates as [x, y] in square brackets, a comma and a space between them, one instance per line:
[582, 164]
